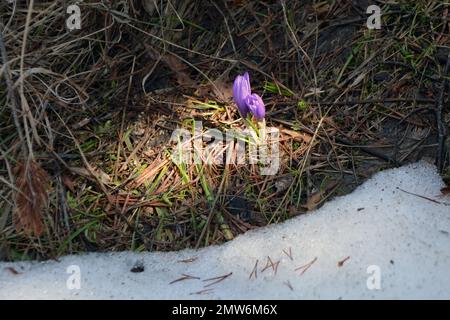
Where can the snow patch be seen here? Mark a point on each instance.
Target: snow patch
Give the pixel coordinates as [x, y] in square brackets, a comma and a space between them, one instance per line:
[377, 235]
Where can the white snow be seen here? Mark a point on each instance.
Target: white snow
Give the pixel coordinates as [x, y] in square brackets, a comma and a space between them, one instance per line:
[402, 238]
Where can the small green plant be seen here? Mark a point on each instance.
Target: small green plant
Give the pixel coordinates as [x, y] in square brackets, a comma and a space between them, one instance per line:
[302, 105]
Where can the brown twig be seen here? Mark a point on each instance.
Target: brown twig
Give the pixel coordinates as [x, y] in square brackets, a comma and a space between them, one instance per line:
[289, 285]
[423, 197]
[184, 277]
[202, 291]
[216, 279]
[305, 267]
[269, 264]
[289, 253]
[254, 271]
[341, 263]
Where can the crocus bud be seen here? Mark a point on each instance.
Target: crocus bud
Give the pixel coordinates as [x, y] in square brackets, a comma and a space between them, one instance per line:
[241, 90]
[256, 106]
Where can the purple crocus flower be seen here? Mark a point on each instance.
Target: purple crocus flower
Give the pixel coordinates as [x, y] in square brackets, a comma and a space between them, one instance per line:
[256, 106]
[245, 100]
[241, 90]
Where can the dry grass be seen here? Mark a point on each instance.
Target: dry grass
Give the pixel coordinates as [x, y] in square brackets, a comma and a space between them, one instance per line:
[94, 110]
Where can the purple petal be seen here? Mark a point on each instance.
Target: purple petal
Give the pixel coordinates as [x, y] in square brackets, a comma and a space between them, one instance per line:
[241, 90]
[256, 106]
[247, 78]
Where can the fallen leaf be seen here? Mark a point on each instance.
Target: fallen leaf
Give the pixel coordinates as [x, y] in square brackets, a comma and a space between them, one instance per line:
[445, 191]
[32, 197]
[314, 200]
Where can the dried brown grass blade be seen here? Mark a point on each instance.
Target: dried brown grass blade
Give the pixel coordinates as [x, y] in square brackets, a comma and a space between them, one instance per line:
[31, 198]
